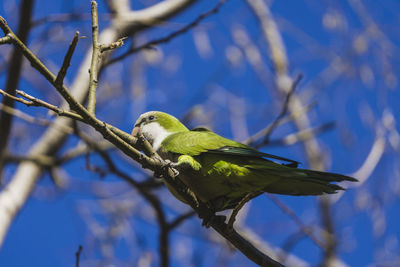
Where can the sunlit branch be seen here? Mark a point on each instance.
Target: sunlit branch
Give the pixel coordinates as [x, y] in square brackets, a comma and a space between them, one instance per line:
[94, 66]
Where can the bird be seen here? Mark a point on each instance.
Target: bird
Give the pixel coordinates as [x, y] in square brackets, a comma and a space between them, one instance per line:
[221, 172]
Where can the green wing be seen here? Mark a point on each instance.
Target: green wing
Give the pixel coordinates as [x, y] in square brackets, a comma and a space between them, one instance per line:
[201, 140]
[193, 143]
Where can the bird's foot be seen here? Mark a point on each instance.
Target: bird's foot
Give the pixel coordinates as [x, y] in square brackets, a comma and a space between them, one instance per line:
[164, 168]
[172, 165]
[213, 219]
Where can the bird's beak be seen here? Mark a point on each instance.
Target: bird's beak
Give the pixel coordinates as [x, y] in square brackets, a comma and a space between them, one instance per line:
[135, 130]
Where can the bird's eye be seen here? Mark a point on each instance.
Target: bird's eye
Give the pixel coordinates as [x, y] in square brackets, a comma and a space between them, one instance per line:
[151, 118]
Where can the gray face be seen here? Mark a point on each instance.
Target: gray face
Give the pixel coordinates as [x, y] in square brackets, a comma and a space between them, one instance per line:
[146, 118]
[149, 127]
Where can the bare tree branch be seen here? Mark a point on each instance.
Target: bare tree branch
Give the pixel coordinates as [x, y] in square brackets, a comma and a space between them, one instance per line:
[94, 66]
[14, 195]
[67, 60]
[270, 128]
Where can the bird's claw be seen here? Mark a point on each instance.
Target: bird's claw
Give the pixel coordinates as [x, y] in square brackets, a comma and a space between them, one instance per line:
[172, 165]
[164, 168]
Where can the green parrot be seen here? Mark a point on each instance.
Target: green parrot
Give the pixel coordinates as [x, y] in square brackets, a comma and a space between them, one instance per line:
[221, 172]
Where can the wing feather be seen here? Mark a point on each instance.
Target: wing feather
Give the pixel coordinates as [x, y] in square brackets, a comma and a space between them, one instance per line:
[249, 152]
[196, 142]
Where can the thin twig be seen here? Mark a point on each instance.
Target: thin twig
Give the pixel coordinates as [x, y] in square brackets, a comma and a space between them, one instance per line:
[23, 101]
[292, 116]
[59, 111]
[239, 206]
[284, 108]
[113, 45]
[94, 66]
[177, 221]
[128, 139]
[38, 102]
[67, 60]
[282, 114]
[78, 255]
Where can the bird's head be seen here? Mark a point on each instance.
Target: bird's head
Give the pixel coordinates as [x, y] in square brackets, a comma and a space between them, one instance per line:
[155, 126]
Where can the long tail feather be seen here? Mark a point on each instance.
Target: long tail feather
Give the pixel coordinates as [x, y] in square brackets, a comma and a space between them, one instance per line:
[304, 182]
